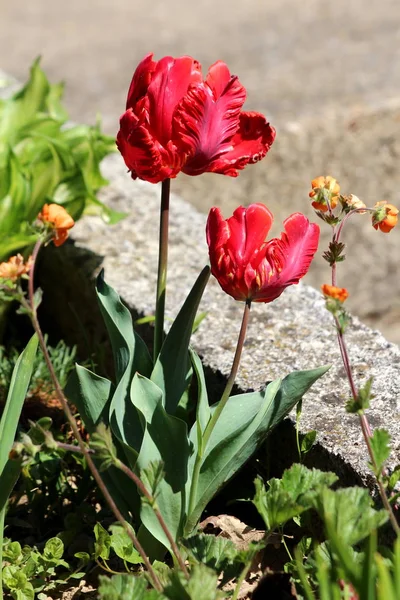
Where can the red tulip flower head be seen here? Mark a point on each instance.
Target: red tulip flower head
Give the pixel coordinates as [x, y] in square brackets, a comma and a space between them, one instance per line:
[249, 268]
[177, 121]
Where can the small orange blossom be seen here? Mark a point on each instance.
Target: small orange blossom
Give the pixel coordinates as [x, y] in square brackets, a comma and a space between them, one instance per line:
[385, 216]
[337, 293]
[15, 267]
[58, 220]
[321, 188]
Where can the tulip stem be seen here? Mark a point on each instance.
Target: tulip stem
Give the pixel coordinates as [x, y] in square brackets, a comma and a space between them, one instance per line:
[202, 444]
[162, 269]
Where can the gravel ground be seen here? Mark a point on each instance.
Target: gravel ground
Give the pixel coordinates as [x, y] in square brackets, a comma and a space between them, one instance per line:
[326, 74]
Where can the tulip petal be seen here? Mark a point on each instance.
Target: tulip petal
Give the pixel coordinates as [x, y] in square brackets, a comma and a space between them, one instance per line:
[287, 259]
[141, 80]
[249, 228]
[299, 244]
[204, 126]
[250, 144]
[218, 77]
[217, 229]
[170, 82]
[144, 156]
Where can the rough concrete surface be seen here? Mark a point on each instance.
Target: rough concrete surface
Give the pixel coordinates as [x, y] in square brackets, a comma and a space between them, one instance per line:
[295, 332]
[326, 74]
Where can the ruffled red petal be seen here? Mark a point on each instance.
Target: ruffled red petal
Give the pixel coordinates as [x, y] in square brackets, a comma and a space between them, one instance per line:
[234, 244]
[248, 228]
[204, 126]
[141, 80]
[170, 82]
[218, 77]
[287, 259]
[143, 155]
[249, 145]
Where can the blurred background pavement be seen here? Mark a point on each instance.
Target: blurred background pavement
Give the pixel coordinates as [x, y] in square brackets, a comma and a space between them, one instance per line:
[326, 73]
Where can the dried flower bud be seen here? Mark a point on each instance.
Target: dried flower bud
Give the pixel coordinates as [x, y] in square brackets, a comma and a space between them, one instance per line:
[353, 202]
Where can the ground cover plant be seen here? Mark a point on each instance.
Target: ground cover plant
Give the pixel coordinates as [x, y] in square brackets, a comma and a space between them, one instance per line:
[124, 487]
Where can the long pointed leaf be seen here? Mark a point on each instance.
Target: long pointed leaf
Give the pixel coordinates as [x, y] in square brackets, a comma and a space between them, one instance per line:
[91, 394]
[244, 423]
[130, 355]
[165, 439]
[16, 396]
[128, 346]
[172, 368]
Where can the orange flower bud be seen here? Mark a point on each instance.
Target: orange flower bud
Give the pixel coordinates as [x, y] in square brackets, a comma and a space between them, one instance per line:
[15, 267]
[331, 291]
[354, 202]
[325, 190]
[58, 220]
[385, 216]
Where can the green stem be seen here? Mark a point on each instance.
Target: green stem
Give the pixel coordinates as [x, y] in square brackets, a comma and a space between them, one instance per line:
[162, 269]
[240, 580]
[202, 444]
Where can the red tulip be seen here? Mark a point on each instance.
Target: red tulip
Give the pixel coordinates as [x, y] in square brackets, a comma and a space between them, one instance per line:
[249, 268]
[177, 121]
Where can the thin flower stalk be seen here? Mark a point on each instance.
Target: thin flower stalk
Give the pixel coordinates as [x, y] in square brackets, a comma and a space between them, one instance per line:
[363, 419]
[162, 269]
[221, 405]
[71, 419]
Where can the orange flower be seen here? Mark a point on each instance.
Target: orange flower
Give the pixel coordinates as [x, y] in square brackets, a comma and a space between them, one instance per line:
[15, 267]
[58, 220]
[384, 216]
[337, 293]
[324, 189]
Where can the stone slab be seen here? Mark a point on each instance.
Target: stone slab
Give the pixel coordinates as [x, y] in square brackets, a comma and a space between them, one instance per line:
[294, 332]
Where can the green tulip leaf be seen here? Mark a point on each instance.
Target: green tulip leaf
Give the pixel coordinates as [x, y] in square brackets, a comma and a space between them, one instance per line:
[91, 394]
[172, 370]
[244, 423]
[165, 440]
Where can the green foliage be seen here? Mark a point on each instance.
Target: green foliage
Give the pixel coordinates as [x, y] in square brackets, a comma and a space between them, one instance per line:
[122, 545]
[61, 355]
[149, 417]
[202, 585]
[380, 444]
[340, 573]
[29, 572]
[349, 513]
[363, 399]
[103, 542]
[118, 540]
[290, 496]
[42, 161]
[9, 469]
[152, 477]
[126, 587]
[307, 441]
[335, 253]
